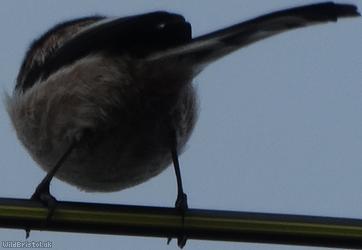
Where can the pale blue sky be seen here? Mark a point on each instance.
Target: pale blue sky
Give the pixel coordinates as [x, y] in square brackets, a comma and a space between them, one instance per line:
[280, 126]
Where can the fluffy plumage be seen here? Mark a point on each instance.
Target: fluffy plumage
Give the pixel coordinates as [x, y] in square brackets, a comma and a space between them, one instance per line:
[123, 85]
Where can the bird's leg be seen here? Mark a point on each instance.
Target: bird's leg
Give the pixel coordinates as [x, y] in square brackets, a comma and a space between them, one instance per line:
[181, 201]
[42, 191]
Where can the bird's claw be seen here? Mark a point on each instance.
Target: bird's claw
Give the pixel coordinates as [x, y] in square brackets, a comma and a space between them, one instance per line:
[181, 203]
[42, 194]
[181, 206]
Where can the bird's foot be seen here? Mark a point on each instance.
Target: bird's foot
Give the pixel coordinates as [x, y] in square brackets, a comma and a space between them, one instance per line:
[42, 194]
[181, 206]
[181, 203]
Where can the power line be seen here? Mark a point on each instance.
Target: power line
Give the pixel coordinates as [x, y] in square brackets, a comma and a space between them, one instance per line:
[199, 223]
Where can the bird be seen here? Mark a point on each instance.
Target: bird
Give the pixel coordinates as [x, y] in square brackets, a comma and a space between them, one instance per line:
[107, 103]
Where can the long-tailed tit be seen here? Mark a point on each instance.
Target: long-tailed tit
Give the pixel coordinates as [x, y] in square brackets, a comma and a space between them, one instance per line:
[108, 103]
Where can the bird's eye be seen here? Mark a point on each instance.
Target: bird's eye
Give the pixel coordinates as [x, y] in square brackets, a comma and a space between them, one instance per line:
[161, 26]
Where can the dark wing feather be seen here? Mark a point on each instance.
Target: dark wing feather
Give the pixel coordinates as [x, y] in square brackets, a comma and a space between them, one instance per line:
[138, 36]
[44, 47]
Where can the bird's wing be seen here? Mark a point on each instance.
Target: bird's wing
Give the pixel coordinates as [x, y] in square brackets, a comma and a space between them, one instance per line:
[207, 48]
[136, 35]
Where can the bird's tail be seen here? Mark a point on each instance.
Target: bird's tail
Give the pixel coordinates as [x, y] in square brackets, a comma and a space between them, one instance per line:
[205, 49]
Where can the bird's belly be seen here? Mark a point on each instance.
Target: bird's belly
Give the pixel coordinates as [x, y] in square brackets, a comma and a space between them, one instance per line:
[117, 158]
[129, 154]
[112, 166]
[129, 124]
